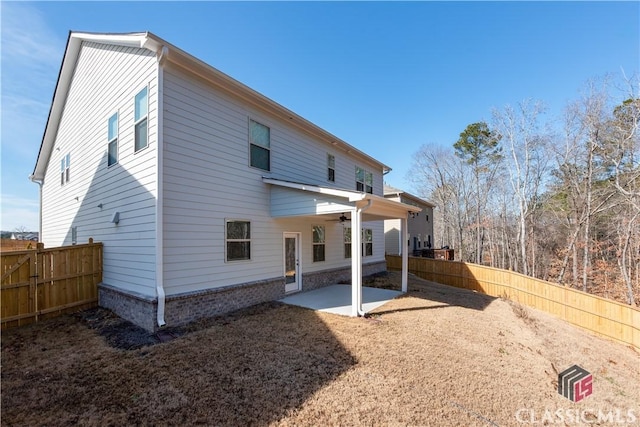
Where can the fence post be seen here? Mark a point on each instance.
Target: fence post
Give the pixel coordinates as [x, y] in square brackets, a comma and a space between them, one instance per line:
[33, 279]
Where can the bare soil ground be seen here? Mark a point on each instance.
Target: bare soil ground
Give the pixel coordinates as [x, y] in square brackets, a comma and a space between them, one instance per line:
[438, 356]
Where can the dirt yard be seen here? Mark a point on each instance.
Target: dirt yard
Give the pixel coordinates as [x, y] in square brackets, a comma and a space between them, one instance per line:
[438, 356]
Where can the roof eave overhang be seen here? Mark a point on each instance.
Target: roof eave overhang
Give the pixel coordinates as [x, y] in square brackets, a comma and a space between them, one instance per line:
[183, 59]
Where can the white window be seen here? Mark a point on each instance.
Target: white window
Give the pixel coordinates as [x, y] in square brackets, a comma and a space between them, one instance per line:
[238, 240]
[331, 168]
[259, 145]
[65, 164]
[347, 242]
[140, 118]
[112, 138]
[364, 180]
[318, 243]
[367, 242]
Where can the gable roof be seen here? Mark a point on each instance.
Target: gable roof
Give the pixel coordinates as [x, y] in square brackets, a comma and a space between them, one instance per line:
[390, 191]
[171, 53]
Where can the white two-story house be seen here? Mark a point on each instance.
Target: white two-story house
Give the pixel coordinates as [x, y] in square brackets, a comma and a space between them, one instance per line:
[207, 195]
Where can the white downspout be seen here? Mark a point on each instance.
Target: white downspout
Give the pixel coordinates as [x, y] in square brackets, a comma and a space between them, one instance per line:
[40, 182]
[405, 253]
[356, 261]
[159, 189]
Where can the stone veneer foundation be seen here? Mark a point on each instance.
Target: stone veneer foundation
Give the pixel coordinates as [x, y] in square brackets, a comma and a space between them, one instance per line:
[184, 308]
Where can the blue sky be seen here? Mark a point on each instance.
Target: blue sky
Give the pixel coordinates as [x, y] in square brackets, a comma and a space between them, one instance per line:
[387, 77]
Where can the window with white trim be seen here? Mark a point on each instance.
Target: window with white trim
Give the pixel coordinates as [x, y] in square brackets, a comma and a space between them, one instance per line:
[367, 242]
[331, 168]
[141, 122]
[65, 165]
[318, 243]
[364, 180]
[237, 240]
[112, 140]
[347, 242]
[259, 145]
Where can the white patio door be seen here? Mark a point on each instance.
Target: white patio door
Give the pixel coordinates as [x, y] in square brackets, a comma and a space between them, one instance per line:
[292, 276]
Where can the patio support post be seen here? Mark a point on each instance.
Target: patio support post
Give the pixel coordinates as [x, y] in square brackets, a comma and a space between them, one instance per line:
[405, 254]
[356, 263]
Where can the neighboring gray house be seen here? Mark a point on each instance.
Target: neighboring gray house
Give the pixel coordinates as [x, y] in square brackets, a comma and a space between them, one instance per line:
[19, 235]
[207, 195]
[420, 224]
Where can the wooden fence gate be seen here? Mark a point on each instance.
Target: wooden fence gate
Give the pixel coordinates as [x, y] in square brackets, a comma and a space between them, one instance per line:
[42, 283]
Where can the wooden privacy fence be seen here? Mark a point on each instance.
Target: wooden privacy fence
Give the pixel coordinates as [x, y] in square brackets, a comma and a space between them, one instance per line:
[16, 245]
[611, 319]
[42, 283]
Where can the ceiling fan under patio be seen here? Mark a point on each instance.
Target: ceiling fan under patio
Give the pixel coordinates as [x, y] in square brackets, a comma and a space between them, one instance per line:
[341, 218]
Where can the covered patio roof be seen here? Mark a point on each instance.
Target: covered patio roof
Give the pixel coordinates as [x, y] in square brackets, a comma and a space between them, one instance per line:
[298, 199]
[295, 199]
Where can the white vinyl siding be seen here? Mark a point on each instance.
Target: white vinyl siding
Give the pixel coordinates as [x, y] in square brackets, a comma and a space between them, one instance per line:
[106, 80]
[206, 180]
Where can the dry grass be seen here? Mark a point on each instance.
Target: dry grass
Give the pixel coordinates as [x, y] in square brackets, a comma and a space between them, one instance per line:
[439, 356]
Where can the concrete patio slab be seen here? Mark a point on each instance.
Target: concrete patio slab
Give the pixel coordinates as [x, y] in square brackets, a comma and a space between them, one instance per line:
[336, 299]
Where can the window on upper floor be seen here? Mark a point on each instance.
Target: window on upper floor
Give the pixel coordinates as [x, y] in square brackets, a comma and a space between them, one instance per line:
[331, 168]
[318, 243]
[364, 180]
[65, 164]
[259, 145]
[141, 122]
[112, 140]
[238, 240]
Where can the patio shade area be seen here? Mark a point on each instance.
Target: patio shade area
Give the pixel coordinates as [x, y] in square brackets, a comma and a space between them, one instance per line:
[336, 299]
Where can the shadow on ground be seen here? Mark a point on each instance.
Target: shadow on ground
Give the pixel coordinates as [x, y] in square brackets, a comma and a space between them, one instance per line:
[251, 367]
[434, 292]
